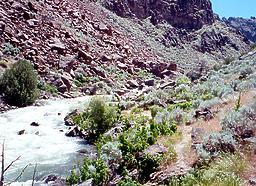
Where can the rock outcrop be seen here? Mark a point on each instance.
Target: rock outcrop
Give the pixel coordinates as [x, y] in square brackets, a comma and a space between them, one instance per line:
[245, 26]
[188, 14]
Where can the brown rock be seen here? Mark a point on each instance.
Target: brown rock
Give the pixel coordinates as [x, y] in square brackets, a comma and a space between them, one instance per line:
[84, 55]
[167, 84]
[172, 67]
[35, 124]
[132, 83]
[106, 29]
[156, 149]
[58, 46]
[149, 82]
[66, 80]
[21, 132]
[2, 27]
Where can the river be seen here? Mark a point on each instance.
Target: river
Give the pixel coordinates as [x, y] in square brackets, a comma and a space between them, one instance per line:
[45, 145]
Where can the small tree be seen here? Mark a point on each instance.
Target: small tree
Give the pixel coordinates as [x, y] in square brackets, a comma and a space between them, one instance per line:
[19, 84]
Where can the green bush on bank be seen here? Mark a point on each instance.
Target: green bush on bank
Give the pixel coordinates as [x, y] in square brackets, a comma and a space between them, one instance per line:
[96, 170]
[98, 117]
[19, 84]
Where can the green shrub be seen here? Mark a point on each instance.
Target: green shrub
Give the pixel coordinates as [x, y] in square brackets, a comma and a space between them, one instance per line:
[216, 143]
[149, 164]
[48, 88]
[238, 103]
[73, 178]
[19, 84]
[240, 123]
[223, 172]
[154, 110]
[128, 182]
[228, 60]
[183, 80]
[95, 169]
[98, 117]
[9, 49]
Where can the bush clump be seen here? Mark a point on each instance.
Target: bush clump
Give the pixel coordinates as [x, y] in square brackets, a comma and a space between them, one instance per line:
[215, 144]
[9, 49]
[19, 84]
[98, 118]
[96, 170]
[225, 171]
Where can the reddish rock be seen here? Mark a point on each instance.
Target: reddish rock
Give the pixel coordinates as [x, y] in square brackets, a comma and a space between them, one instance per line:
[84, 55]
[57, 45]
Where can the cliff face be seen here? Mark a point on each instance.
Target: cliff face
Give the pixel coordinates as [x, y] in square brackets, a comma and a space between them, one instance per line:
[245, 26]
[188, 14]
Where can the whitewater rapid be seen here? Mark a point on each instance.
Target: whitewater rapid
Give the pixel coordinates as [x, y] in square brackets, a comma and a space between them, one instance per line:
[45, 145]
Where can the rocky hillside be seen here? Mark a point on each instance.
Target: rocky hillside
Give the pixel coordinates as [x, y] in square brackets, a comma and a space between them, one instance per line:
[80, 46]
[246, 26]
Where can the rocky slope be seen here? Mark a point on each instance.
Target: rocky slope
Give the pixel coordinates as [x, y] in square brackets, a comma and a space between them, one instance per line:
[79, 46]
[246, 26]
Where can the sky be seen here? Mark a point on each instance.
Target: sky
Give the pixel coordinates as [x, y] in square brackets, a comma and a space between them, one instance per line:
[234, 8]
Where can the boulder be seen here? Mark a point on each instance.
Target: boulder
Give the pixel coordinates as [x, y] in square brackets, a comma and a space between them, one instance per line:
[149, 82]
[76, 132]
[252, 181]
[167, 84]
[2, 27]
[113, 133]
[132, 83]
[66, 78]
[172, 67]
[35, 124]
[205, 113]
[58, 46]
[87, 183]
[54, 180]
[21, 132]
[104, 28]
[62, 88]
[68, 119]
[156, 149]
[84, 55]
